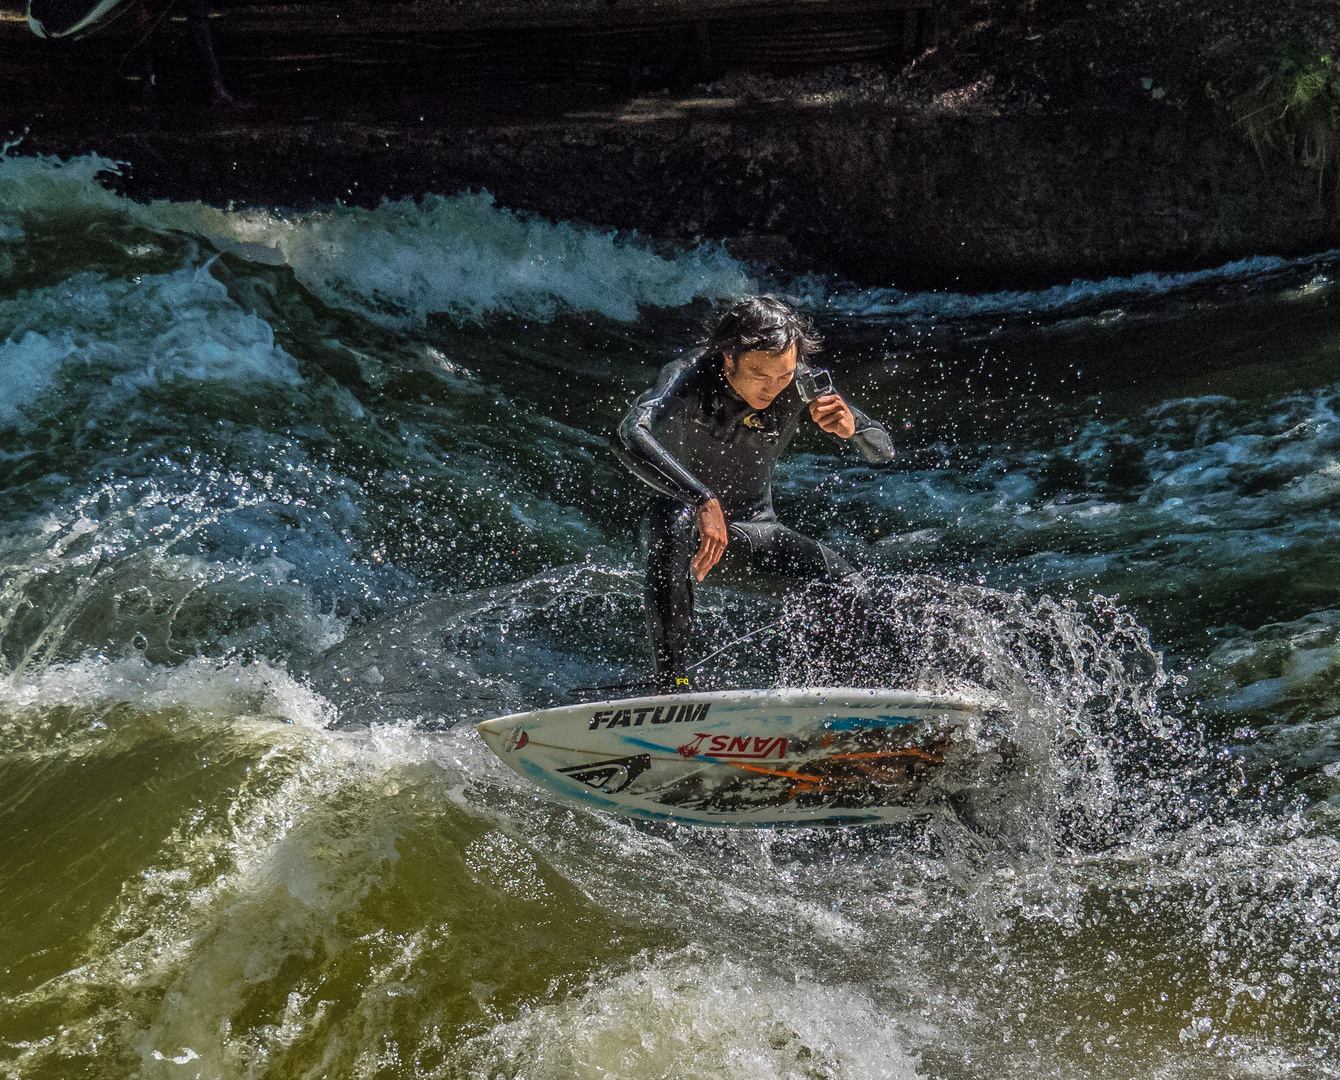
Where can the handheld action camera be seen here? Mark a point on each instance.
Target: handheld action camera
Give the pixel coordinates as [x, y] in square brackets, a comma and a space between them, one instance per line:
[813, 383]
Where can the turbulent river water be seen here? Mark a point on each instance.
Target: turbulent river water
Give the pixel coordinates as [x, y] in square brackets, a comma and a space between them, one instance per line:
[288, 501]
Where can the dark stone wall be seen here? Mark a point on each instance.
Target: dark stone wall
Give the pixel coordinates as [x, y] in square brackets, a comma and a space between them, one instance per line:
[868, 192]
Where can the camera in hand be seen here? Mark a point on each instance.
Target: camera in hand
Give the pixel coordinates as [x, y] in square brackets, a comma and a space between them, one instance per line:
[813, 383]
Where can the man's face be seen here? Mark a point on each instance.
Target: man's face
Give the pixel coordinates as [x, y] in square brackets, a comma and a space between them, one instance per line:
[760, 376]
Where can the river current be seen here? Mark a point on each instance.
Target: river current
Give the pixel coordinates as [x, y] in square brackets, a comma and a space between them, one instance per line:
[289, 501]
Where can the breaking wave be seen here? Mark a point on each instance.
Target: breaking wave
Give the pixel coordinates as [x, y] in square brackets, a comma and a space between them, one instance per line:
[459, 256]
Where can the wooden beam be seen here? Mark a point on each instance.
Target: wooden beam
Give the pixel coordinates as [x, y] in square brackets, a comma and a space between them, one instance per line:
[364, 16]
[308, 56]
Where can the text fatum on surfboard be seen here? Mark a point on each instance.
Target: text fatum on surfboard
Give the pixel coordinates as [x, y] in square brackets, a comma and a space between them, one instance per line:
[656, 714]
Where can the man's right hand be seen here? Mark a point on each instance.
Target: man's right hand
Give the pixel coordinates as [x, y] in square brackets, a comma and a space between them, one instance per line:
[712, 529]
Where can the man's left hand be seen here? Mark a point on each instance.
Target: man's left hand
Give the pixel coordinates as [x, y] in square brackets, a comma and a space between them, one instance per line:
[832, 414]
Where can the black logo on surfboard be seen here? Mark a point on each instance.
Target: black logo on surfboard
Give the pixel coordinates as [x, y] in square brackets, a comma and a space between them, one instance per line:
[610, 776]
[673, 713]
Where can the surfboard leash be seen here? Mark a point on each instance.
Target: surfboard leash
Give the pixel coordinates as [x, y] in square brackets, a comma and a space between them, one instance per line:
[162, 16]
[577, 691]
[582, 691]
[737, 641]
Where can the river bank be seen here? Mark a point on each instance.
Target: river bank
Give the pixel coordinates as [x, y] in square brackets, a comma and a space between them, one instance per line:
[1005, 147]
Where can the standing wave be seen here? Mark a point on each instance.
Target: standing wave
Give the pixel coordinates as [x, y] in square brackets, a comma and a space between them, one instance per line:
[457, 256]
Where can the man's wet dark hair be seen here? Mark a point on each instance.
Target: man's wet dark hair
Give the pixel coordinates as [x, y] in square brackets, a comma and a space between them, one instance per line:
[763, 323]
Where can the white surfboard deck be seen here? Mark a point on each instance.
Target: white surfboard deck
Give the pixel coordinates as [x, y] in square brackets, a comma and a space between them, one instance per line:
[740, 758]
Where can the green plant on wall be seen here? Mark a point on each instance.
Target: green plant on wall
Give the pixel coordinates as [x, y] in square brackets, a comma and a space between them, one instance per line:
[1287, 97]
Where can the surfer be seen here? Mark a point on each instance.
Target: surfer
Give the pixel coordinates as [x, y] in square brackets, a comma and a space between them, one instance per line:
[707, 438]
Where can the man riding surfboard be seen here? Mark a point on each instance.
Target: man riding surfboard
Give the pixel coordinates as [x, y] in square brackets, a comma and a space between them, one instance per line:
[707, 438]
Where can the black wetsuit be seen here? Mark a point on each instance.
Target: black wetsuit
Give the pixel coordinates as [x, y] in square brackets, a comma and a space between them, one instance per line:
[692, 438]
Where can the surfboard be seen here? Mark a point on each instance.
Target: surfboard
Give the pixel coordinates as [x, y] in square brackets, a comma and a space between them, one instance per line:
[71, 18]
[742, 758]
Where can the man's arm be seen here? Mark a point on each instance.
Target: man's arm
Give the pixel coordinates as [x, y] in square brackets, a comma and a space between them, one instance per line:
[838, 418]
[646, 458]
[872, 439]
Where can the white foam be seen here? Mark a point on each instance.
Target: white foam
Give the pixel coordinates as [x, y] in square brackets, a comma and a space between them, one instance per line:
[131, 335]
[52, 185]
[689, 1017]
[101, 576]
[947, 304]
[27, 367]
[460, 256]
[227, 689]
[1247, 479]
[463, 256]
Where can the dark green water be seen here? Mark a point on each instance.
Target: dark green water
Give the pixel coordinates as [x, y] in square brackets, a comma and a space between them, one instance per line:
[287, 501]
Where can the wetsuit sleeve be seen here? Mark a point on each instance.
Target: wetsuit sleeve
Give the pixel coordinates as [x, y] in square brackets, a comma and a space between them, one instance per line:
[871, 438]
[659, 410]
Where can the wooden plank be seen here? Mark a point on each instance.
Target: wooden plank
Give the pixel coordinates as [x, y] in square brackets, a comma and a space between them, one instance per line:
[426, 16]
[343, 17]
[284, 55]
